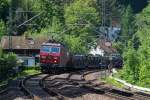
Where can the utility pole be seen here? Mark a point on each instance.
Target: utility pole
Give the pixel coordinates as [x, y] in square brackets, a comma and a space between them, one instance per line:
[103, 29]
[10, 27]
[103, 17]
[103, 14]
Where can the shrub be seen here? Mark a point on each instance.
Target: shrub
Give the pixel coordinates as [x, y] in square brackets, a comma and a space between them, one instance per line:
[7, 62]
[131, 66]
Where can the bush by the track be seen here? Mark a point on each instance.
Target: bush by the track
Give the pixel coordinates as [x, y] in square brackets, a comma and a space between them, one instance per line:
[31, 68]
[4, 83]
[7, 64]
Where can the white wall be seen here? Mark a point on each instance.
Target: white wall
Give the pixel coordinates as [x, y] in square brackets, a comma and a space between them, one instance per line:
[28, 61]
[97, 51]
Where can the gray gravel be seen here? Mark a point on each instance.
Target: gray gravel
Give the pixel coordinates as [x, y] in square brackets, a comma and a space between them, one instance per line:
[71, 89]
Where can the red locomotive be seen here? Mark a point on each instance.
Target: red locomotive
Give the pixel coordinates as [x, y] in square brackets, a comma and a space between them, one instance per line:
[53, 56]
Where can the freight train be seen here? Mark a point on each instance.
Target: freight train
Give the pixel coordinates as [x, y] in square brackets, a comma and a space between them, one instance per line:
[55, 56]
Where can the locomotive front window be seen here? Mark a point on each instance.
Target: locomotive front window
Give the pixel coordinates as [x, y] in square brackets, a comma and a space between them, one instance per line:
[55, 50]
[45, 49]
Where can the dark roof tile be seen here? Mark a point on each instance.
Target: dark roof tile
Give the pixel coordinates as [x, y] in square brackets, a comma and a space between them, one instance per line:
[21, 42]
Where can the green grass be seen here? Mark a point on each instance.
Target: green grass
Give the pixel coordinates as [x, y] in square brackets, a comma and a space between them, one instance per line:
[113, 82]
[29, 72]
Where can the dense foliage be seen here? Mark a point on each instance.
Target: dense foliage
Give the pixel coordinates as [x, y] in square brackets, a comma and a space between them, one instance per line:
[81, 17]
[2, 28]
[137, 54]
[7, 63]
[143, 32]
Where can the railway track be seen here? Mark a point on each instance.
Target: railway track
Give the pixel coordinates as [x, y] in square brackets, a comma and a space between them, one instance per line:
[35, 88]
[116, 93]
[142, 96]
[52, 92]
[13, 91]
[51, 87]
[32, 86]
[72, 86]
[48, 92]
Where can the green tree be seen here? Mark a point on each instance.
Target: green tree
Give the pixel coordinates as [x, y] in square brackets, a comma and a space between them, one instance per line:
[131, 65]
[143, 32]
[81, 14]
[81, 18]
[128, 26]
[75, 44]
[51, 8]
[4, 9]
[2, 28]
[11, 60]
[127, 29]
[7, 62]
[119, 46]
[1, 52]
[136, 60]
[144, 72]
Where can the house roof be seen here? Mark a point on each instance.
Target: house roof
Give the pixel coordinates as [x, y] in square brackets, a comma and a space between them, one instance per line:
[22, 42]
[107, 49]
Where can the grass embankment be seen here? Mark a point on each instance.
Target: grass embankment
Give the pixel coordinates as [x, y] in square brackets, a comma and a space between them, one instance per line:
[110, 80]
[113, 82]
[24, 73]
[29, 71]
[116, 84]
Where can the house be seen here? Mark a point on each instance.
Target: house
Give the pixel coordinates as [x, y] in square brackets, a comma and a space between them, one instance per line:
[113, 33]
[97, 51]
[26, 48]
[104, 48]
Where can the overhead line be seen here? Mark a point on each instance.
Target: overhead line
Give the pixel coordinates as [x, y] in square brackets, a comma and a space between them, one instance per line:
[29, 20]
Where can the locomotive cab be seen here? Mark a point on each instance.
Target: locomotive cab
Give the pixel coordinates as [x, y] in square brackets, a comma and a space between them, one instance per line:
[50, 55]
[53, 56]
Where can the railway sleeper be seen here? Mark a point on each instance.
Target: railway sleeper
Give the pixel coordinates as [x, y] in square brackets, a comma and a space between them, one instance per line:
[120, 92]
[97, 91]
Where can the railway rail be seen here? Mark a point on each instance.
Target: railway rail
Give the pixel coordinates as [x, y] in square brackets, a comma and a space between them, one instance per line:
[51, 91]
[72, 86]
[51, 87]
[117, 93]
[13, 91]
[33, 87]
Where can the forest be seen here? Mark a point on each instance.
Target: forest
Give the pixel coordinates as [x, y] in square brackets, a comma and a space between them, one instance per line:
[75, 23]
